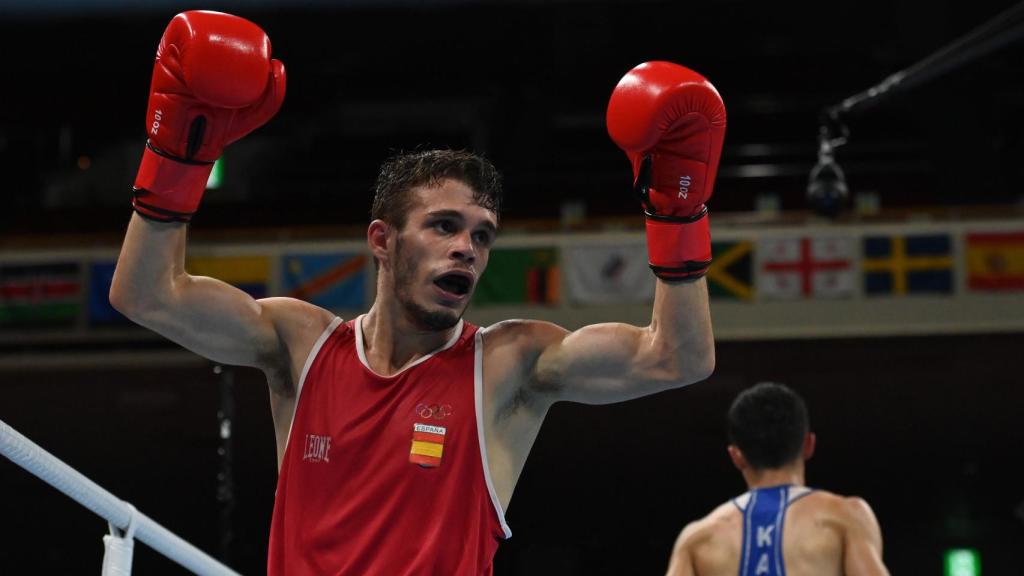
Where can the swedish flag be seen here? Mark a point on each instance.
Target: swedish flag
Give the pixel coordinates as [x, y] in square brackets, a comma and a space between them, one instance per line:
[913, 264]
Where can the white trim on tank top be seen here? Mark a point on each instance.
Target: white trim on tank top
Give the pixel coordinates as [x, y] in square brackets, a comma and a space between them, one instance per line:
[794, 494]
[478, 378]
[478, 393]
[305, 369]
[361, 351]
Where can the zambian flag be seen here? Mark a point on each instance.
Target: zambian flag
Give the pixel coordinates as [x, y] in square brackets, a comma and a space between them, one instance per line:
[39, 295]
[520, 276]
[730, 275]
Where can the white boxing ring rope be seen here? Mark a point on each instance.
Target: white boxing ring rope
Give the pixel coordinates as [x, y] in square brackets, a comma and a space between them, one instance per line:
[117, 512]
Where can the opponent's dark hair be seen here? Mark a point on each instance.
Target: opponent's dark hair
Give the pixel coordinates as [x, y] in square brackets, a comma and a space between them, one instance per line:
[768, 423]
[404, 171]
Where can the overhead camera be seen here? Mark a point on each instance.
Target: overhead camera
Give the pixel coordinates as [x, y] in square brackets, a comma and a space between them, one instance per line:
[827, 192]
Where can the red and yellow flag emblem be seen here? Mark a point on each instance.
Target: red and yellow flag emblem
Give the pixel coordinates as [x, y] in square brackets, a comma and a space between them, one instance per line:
[427, 445]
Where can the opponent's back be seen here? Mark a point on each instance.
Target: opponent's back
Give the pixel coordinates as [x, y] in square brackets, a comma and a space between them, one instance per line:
[776, 531]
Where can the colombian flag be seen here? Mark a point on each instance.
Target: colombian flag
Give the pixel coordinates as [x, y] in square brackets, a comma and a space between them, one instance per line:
[250, 274]
[995, 261]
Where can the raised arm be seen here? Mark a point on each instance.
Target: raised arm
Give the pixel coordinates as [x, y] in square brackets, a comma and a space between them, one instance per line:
[670, 121]
[605, 363]
[213, 82]
[205, 315]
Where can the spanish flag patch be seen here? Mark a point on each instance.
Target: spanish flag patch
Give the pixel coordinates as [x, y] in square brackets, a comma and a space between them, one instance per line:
[427, 445]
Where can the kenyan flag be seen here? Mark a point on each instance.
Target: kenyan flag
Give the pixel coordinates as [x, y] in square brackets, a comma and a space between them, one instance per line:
[39, 295]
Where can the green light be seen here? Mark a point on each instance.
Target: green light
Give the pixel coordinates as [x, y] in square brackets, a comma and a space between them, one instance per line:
[963, 562]
[216, 175]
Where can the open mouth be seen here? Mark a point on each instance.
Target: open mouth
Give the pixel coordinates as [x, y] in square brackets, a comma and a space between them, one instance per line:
[454, 284]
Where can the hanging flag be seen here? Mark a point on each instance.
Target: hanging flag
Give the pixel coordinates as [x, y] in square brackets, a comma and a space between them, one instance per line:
[608, 274]
[793, 268]
[247, 273]
[101, 313]
[39, 295]
[730, 275]
[333, 281]
[520, 276]
[917, 264]
[995, 261]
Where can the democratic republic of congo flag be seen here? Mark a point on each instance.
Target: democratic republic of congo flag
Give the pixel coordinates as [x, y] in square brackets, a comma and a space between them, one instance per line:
[331, 280]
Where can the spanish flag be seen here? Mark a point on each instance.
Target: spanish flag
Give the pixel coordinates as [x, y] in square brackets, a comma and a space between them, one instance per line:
[995, 261]
[427, 445]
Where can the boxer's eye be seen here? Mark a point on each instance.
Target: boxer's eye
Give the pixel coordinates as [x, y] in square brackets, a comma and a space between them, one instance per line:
[445, 226]
[484, 238]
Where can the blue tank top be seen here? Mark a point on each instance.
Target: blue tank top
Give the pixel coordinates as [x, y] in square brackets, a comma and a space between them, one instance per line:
[764, 512]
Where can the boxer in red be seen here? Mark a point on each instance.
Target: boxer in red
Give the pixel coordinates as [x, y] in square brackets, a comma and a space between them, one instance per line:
[401, 433]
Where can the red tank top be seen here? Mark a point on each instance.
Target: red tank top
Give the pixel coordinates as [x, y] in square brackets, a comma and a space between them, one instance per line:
[386, 475]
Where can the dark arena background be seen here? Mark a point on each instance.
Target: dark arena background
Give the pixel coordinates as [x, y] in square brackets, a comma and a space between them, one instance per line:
[913, 381]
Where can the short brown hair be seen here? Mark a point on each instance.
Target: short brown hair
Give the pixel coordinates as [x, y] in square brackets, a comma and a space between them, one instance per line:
[404, 171]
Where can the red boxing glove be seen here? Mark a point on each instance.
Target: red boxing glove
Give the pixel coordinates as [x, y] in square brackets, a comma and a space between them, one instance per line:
[670, 121]
[213, 83]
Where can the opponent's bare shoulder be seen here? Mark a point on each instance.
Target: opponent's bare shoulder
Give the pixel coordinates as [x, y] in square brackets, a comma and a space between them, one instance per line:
[857, 518]
[720, 521]
[298, 325]
[857, 510]
[842, 509]
[709, 545]
[854, 522]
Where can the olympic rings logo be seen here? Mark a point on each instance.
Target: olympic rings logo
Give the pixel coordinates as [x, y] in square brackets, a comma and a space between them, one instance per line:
[435, 411]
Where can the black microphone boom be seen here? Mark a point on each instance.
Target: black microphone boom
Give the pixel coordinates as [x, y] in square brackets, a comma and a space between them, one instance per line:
[1004, 29]
[826, 189]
